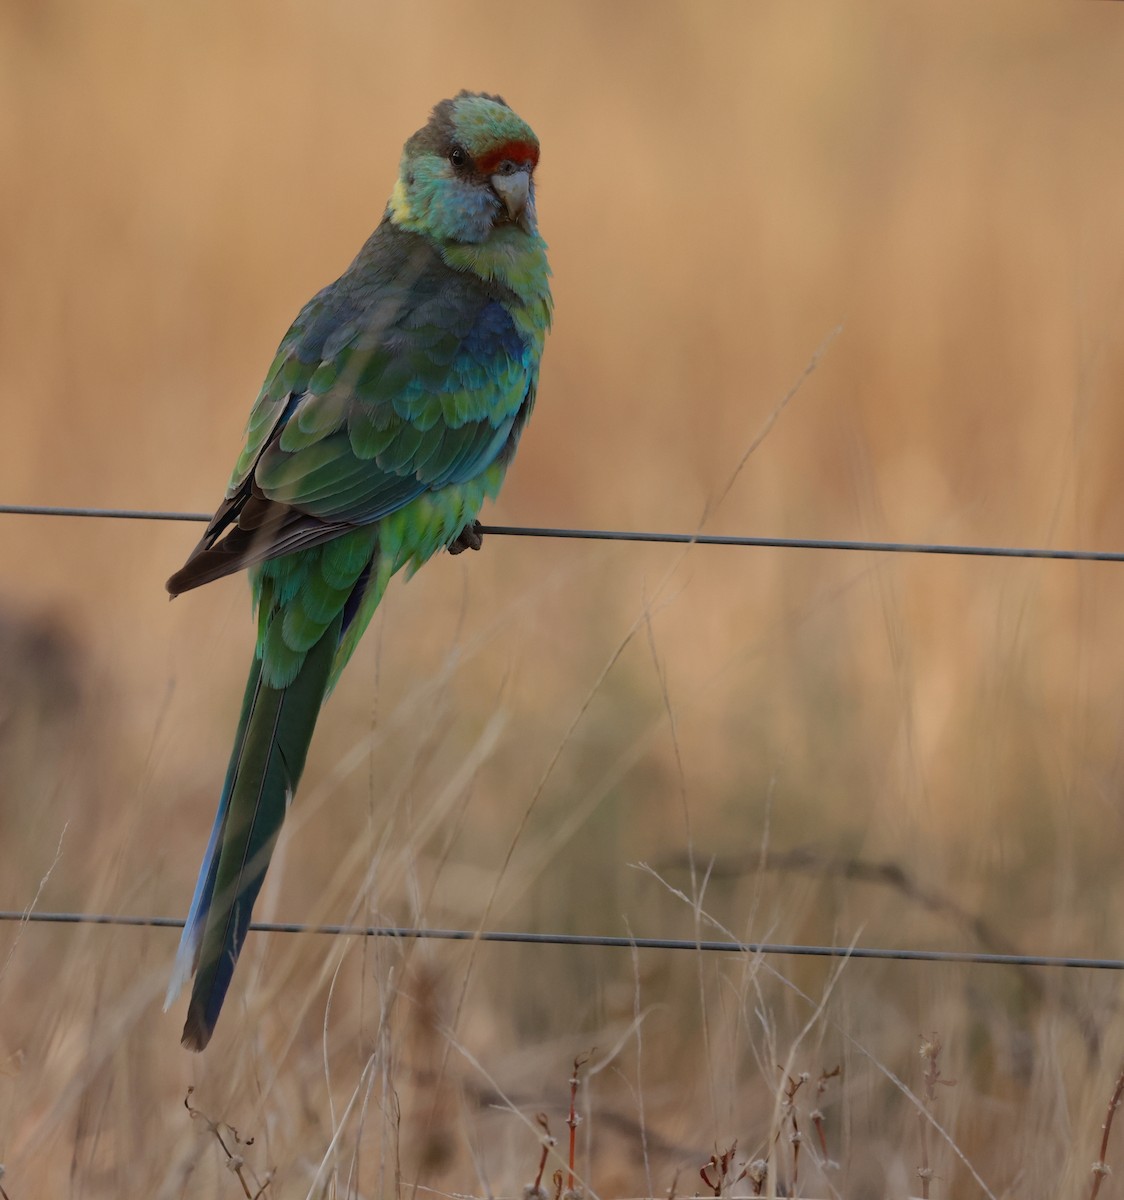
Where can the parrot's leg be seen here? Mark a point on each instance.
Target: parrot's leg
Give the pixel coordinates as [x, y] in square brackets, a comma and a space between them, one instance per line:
[469, 538]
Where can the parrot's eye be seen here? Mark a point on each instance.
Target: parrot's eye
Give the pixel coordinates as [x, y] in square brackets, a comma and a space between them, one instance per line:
[458, 156]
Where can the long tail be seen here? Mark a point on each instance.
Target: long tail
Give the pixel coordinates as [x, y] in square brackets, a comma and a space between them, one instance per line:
[274, 730]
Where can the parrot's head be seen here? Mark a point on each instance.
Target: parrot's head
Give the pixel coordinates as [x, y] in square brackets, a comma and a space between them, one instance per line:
[468, 172]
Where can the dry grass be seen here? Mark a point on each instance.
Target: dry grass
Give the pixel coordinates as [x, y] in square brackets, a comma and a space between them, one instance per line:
[722, 186]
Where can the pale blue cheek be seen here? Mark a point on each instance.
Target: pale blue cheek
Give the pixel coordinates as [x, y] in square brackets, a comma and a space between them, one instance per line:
[446, 207]
[463, 213]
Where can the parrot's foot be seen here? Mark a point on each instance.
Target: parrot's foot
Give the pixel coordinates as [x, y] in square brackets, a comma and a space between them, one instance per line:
[469, 538]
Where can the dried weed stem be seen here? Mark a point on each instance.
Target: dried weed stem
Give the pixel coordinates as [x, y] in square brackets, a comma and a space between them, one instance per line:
[234, 1161]
[1101, 1167]
[930, 1056]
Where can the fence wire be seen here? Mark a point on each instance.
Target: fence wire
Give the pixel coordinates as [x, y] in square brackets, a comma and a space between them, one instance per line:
[630, 943]
[628, 535]
[408, 933]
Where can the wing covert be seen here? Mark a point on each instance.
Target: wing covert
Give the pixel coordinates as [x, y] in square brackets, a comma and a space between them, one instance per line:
[383, 389]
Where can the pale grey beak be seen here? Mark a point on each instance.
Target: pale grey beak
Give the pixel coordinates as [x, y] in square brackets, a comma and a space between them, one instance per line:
[513, 190]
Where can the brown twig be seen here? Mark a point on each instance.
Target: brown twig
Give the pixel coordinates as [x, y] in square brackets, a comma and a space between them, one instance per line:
[1101, 1167]
[535, 1191]
[234, 1161]
[930, 1056]
[817, 1114]
[573, 1120]
[722, 1164]
[788, 1110]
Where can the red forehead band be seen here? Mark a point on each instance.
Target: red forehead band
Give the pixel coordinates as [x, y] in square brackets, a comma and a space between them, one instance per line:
[516, 152]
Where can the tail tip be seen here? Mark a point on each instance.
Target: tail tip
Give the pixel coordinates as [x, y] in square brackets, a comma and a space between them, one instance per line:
[196, 1033]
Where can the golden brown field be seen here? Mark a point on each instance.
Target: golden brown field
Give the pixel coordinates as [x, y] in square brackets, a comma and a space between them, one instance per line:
[897, 751]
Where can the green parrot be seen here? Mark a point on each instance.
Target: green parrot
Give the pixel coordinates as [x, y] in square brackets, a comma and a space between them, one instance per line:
[391, 411]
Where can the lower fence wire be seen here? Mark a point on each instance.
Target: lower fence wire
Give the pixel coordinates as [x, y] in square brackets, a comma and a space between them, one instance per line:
[406, 933]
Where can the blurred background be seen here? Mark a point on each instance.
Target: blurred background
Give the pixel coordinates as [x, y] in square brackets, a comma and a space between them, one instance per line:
[579, 737]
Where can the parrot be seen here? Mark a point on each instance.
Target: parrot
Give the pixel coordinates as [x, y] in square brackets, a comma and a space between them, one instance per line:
[389, 414]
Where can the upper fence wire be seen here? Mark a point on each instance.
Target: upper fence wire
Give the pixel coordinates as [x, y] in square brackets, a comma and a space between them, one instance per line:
[628, 535]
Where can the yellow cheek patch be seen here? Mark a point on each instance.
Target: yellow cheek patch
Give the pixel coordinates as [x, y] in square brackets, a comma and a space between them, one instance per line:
[399, 205]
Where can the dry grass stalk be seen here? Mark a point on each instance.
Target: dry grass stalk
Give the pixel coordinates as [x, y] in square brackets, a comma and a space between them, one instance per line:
[930, 1056]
